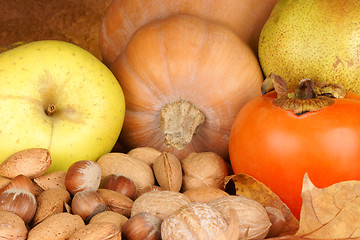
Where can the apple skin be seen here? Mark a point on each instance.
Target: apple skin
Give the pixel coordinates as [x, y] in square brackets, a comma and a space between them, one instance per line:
[89, 102]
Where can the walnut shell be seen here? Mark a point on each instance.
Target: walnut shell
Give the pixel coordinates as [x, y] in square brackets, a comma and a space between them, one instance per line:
[203, 169]
[205, 194]
[168, 172]
[193, 221]
[159, 203]
[146, 154]
[252, 216]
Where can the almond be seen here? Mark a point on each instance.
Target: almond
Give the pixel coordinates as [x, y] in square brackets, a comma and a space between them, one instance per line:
[56, 227]
[51, 180]
[124, 164]
[95, 231]
[110, 217]
[12, 227]
[116, 201]
[32, 162]
[51, 201]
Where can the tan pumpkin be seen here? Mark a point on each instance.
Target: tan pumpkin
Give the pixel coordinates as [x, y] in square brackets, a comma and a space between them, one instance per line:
[184, 79]
[124, 17]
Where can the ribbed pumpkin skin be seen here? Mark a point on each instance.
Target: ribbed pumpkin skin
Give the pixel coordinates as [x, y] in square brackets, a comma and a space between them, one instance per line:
[124, 17]
[185, 58]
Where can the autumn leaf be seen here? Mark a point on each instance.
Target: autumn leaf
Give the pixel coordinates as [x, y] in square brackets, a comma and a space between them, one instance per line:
[250, 187]
[330, 213]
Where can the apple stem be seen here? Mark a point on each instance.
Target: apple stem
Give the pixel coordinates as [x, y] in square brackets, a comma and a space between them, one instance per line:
[50, 109]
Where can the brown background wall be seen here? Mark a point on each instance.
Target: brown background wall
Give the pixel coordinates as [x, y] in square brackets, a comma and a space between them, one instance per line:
[76, 21]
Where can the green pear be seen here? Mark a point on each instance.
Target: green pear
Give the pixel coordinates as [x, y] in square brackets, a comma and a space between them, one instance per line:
[316, 39]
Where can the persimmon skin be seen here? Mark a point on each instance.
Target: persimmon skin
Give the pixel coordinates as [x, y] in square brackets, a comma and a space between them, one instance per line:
[277, 147]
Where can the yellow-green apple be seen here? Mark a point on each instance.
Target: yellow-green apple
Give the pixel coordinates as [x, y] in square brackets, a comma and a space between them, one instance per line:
[58, 96]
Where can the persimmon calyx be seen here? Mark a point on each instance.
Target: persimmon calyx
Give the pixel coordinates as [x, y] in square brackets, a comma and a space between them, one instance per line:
[309, 96]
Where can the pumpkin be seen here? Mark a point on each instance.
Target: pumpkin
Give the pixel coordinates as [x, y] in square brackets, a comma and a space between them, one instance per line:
[124, 17]
[184, 79]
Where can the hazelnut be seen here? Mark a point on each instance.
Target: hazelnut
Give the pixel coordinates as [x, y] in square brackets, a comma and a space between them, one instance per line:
[20, 202]
[83, 175]
[4, 181]
[143, 226]
[20, 182]
[87, 204]
[203, 169]
[121, 184]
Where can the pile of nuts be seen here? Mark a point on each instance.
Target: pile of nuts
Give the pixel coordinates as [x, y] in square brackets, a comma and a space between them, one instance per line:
[142, 194]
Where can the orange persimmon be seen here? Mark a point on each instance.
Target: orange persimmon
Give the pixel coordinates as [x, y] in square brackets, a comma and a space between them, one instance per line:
[277, 146]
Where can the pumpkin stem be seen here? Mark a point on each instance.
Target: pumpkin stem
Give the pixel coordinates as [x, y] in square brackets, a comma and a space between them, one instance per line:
[309, 96]
[179, 121]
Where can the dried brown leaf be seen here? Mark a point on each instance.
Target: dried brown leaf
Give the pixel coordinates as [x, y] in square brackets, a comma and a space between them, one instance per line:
[250, 187]
[275, 82]
[331, 212]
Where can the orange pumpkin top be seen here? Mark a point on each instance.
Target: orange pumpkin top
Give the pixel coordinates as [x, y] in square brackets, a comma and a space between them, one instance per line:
[123, 18]
[184, 79]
